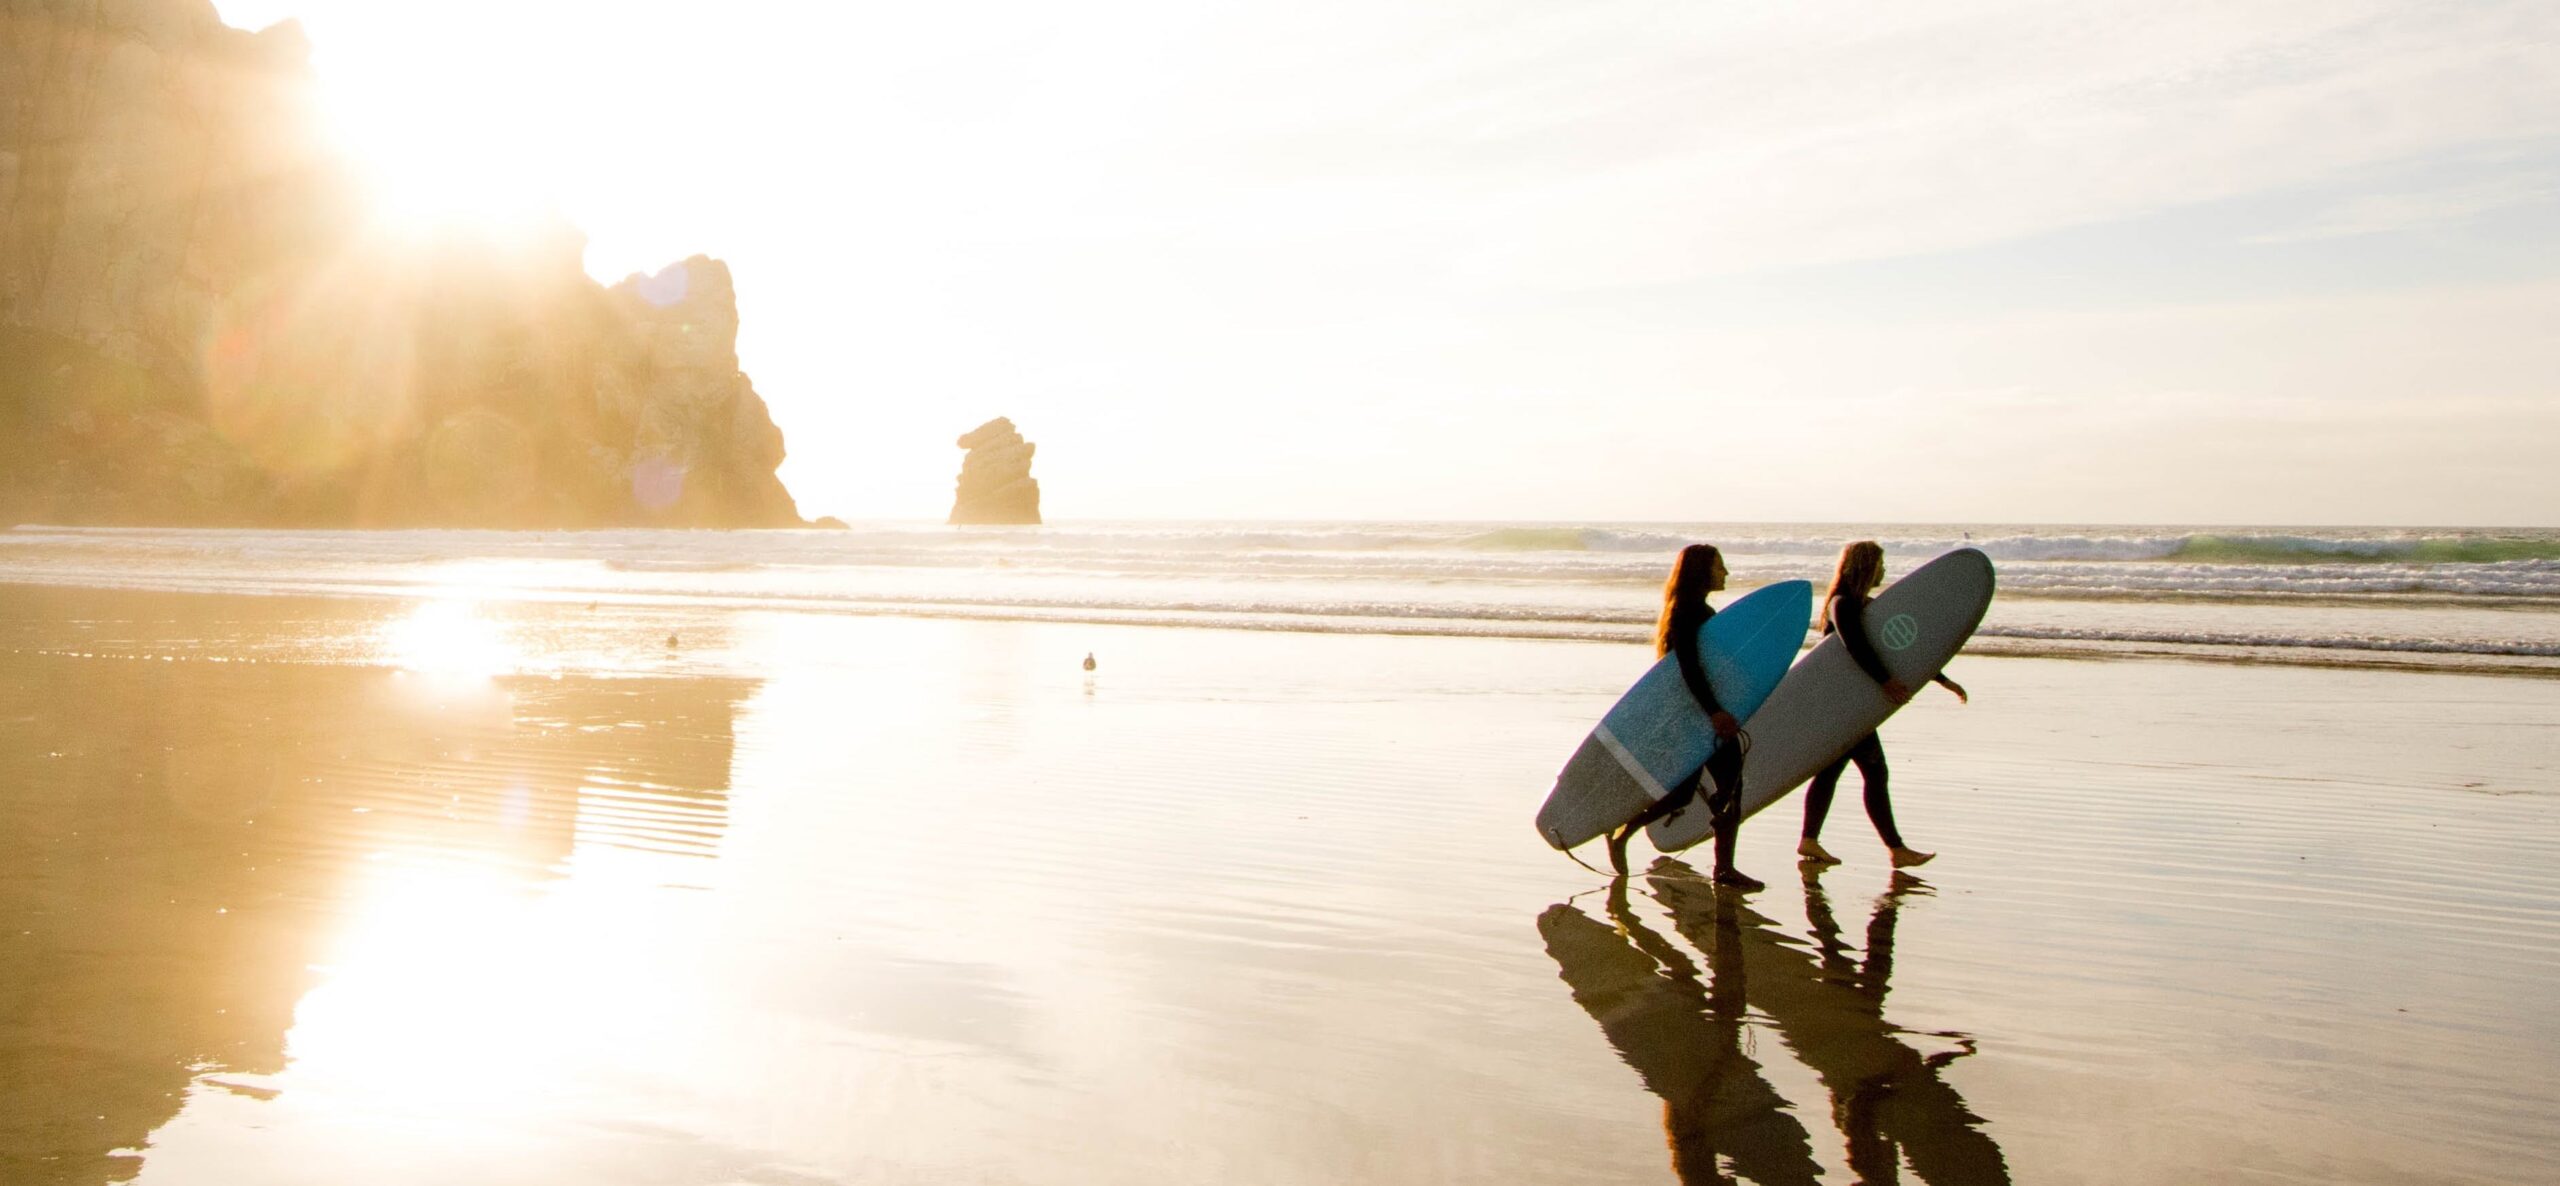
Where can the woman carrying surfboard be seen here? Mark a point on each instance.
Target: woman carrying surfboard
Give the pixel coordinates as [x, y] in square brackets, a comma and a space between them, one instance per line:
[1698, 572]
[1844, 612]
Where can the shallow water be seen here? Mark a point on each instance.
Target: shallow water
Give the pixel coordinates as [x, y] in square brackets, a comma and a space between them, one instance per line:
[318, 891]
[2447, 599]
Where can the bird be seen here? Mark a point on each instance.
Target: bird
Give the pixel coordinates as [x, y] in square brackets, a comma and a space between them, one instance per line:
[1088, 660]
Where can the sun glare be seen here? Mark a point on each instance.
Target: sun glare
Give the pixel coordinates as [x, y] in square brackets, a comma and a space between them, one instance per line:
[449, 638]
[457, 991]
[451, 135]
[424, 176]
[426, 184]
[425, 990]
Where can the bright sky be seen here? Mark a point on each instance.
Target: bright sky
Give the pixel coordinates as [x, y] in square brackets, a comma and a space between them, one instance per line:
[2255, 261]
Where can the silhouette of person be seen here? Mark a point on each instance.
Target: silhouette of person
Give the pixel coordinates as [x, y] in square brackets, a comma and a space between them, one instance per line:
[1699, 571]
[1844, 611]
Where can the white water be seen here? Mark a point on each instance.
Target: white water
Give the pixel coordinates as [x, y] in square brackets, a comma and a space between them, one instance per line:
[2453, 598]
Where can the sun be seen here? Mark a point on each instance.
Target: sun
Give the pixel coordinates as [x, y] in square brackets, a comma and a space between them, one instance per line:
[427, 181]
[448, 129]
[430, 170]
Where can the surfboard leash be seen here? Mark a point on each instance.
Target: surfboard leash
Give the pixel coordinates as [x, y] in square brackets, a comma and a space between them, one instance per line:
[1576, 859]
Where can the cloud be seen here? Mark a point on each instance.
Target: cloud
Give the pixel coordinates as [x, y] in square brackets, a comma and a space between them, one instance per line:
[2375, 214]
[2012, 120]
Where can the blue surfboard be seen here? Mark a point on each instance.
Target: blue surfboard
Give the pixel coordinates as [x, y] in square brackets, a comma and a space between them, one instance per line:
[1656, 736]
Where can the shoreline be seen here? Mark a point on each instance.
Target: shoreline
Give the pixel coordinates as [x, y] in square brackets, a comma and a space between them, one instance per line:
[2426, 604]
[2415, 658]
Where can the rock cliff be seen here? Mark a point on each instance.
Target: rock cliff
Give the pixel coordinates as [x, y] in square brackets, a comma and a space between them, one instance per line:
[995, 477]
[201, 322]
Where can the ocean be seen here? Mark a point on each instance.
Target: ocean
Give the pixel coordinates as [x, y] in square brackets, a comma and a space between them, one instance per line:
[2446, 599]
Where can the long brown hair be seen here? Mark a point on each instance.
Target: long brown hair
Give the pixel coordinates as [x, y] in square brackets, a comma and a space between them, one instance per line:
[1684, 594]
[1861, 564]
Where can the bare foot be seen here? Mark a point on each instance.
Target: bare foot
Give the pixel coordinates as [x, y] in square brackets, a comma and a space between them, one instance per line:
[1736, 879]
[1812, 853]
[1904, 858]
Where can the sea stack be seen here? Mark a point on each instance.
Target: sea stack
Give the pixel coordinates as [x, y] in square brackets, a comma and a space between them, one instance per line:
[996, 485]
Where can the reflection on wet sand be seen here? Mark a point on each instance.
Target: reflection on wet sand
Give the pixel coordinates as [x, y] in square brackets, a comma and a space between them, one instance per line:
[1888, 1098]
[183, 842]
[1685, 1038]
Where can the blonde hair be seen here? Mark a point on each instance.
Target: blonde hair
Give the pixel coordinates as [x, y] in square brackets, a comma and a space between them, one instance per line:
[1861, 565]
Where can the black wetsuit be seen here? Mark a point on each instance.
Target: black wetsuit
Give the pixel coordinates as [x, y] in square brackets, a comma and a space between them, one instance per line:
[1847, 617]
[1725, 764]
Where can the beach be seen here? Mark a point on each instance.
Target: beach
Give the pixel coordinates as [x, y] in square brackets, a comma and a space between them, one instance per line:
[409, 889]
[566, 623]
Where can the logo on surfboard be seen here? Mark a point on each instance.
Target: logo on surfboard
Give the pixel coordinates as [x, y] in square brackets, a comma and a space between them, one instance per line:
[1900, 631]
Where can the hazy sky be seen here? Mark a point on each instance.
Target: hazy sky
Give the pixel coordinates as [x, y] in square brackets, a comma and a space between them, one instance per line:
[2288, 261]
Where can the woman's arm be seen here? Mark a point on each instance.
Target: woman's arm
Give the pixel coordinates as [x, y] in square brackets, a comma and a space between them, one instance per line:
[1849, 616]
[1693, 672]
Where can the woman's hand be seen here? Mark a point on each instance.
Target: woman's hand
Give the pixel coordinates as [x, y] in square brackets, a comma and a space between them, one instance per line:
[1956, 688]
[1726, 727]
[1897, 692]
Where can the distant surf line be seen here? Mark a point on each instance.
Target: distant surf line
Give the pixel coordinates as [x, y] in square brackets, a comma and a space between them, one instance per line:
[2482, 656]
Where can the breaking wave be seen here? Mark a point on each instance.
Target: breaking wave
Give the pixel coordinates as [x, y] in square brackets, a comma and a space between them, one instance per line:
[2293, 592]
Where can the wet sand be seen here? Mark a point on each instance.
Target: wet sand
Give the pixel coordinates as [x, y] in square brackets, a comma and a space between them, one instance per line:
[808, 899]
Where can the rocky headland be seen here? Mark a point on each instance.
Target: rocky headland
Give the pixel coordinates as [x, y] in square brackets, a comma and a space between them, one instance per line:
[201, 321]
[995, 484]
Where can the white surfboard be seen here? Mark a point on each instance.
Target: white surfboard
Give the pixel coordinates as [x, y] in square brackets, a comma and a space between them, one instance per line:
[1826, 703]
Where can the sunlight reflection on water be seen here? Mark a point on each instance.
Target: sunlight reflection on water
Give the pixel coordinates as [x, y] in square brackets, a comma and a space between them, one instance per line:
[449, 637]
